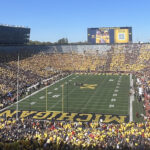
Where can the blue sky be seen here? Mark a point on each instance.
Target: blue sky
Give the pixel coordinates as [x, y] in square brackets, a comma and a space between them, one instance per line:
[51, 20]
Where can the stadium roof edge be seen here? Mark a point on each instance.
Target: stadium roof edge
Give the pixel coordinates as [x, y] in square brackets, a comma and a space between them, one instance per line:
[15, 26]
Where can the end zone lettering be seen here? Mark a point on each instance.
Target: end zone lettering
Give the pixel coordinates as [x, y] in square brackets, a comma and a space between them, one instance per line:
[58, 116]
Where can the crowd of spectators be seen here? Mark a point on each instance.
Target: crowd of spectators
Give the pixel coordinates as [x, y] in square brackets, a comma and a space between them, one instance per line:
[51, 135]
[143, 90]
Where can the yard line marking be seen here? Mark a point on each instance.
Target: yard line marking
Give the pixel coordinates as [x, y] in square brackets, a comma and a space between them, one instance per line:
[53, 106]
[42, 97]
[55, 96]
[111, 80]
[116, 90]
[32, 103]
[113, 100]
[111, 106]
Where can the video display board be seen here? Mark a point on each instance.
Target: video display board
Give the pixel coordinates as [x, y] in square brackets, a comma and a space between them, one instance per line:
[109, 35]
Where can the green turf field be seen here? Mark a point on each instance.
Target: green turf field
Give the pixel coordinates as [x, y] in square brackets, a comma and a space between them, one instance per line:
[105, 94]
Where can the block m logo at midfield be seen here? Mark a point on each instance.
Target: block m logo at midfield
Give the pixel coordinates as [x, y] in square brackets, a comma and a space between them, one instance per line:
[88, 86]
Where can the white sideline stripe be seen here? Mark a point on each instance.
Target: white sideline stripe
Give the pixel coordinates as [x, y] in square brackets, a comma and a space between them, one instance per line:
[131, 100]
[33, 93]
[131, 107]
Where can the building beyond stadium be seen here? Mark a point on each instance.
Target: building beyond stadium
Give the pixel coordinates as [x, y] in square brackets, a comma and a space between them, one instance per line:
[14, 35]
[109, 35]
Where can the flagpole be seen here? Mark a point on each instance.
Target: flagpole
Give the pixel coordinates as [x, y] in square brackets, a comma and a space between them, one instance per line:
[17, 89]
[46, 90]
[67, 94]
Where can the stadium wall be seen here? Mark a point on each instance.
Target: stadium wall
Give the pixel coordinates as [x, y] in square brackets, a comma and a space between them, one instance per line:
[9, 53]
[53, 48]
[28, 50]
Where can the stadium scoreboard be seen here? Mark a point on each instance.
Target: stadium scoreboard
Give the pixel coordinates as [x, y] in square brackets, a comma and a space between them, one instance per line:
[109, 35]
[14, 35]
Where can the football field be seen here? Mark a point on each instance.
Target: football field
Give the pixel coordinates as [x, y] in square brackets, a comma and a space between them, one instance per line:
[82, 93]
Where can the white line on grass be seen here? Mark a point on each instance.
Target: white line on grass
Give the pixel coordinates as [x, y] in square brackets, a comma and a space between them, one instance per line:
[34, 93]
[42, 97]
[49, 93]
[111, 106]
[115, 94]
[55, 96]
[32, 103]
[116, 91]
[131, 100]
[53, 106]
[113, 100]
